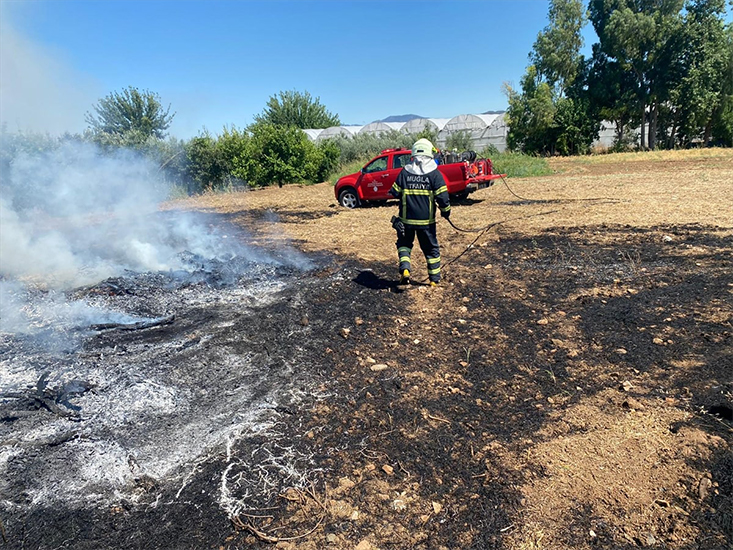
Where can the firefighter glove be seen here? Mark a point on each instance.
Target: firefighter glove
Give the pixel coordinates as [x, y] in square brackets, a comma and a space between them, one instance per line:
[445, 213]
[398, 226]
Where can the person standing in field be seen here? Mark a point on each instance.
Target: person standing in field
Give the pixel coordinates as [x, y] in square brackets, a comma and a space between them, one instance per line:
[419, 187]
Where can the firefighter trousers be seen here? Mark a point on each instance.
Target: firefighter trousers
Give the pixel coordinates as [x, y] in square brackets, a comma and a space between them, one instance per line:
[427, 237]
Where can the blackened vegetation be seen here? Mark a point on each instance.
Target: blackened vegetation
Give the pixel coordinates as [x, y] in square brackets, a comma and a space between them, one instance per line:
[469, 370]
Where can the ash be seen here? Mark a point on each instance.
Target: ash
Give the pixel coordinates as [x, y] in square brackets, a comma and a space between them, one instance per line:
[150, 394]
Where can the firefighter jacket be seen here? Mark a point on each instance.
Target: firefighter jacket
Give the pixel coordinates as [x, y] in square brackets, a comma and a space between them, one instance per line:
[418, 190]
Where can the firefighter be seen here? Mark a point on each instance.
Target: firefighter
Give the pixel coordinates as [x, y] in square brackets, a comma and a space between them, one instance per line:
[419, 187]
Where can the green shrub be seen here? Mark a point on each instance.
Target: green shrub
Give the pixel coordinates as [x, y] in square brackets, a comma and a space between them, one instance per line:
[363, 147]
[348, 168]
[516, 165]
[459, 141]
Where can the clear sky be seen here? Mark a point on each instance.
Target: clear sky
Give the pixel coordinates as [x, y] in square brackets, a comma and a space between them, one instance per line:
[217, 62]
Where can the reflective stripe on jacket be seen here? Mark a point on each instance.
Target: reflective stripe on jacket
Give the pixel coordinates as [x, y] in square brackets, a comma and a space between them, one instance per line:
[418, 194]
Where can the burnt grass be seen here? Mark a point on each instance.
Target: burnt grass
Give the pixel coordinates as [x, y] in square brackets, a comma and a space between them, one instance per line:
[423, 403]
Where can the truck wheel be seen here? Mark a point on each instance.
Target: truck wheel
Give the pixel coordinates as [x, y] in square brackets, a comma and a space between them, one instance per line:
[462, 196]
[348, 198]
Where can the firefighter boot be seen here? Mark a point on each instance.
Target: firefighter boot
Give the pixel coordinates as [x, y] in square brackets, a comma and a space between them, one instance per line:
[405, 278]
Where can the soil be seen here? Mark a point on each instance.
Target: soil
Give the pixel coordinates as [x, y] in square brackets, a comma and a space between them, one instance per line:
[569, 385]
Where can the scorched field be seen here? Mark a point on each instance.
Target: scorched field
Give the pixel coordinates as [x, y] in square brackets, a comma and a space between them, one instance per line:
[569, 385]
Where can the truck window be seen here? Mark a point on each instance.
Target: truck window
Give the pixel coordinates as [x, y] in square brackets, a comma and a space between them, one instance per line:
[377, 165]
[400, 161]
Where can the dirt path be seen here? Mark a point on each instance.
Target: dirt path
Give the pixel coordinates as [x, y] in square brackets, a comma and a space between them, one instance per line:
[569, 385]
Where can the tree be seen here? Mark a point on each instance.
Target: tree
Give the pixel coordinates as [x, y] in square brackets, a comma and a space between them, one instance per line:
[611, 91]
[544, 117]
[706, 77]
[722, 128]
[530, 114]
[206, 167]
[556, 52]
[297, 109]
[283, 154]
[131, 110]
[459, 141]
[639, 35]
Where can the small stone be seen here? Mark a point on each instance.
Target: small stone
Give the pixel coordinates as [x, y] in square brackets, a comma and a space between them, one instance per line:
[465, 299]
[331, 538]
[354, 515]
[633, 404]
[437, 507]
[345, 332]
[388, 469]
[543, 321]
[626, 385]
[364, 545]
[704, 487]
[488, 266]
[370, 360]
[621, 351]
[378, 367]
[346, 483]
[304, 320]
[592, 534]
[667, 239]
[658, 341]
[359, 321]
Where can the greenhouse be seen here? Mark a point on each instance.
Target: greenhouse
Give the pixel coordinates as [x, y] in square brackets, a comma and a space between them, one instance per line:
[333, 131]
[481, 129]
[376, 128]
[313, 133]
[417, 125]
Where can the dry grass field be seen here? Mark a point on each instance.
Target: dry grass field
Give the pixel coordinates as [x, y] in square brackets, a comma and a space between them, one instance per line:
[568, 386]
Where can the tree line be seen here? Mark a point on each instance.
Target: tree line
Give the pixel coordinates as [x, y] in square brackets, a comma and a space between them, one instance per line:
[661, 72]
[661, 68]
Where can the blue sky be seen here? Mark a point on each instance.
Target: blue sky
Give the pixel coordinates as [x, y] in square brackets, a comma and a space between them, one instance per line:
[218, 62]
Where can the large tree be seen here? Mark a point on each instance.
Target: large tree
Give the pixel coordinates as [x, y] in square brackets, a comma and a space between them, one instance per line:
[706, 80]
[293, 108]
[640, 36]
[130, 111]
[544, 117]
[556, 52]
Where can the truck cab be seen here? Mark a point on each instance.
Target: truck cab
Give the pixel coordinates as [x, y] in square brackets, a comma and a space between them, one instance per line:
[374, 180]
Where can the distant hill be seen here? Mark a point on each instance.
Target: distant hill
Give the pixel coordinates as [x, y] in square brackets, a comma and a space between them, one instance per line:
[400, 118]
[493, 112]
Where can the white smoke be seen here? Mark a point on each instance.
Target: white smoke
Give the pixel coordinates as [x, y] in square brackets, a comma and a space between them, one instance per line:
[73, 216]
[39, 91]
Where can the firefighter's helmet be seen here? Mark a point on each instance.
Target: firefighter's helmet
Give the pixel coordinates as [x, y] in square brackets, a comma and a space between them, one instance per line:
[423, 147]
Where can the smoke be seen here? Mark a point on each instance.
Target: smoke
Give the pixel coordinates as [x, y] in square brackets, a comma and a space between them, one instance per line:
[39, 91]
[74, 216]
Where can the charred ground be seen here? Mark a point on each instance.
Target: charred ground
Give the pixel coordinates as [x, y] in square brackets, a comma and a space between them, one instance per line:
[569, 385]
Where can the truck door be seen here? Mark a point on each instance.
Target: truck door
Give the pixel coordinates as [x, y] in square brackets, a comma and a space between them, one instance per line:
[374, 182]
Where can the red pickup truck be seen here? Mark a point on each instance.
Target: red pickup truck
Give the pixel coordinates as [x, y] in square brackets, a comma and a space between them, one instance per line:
[373, 182]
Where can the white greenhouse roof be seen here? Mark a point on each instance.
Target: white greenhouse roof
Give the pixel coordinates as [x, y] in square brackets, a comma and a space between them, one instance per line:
[469, 122]
[417, 125]
[313, 133]
[379, 127]
[333, 131]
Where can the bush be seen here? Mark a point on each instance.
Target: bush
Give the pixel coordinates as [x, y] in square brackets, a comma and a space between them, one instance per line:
[459, 141]
[516, 165]
[363, 147]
